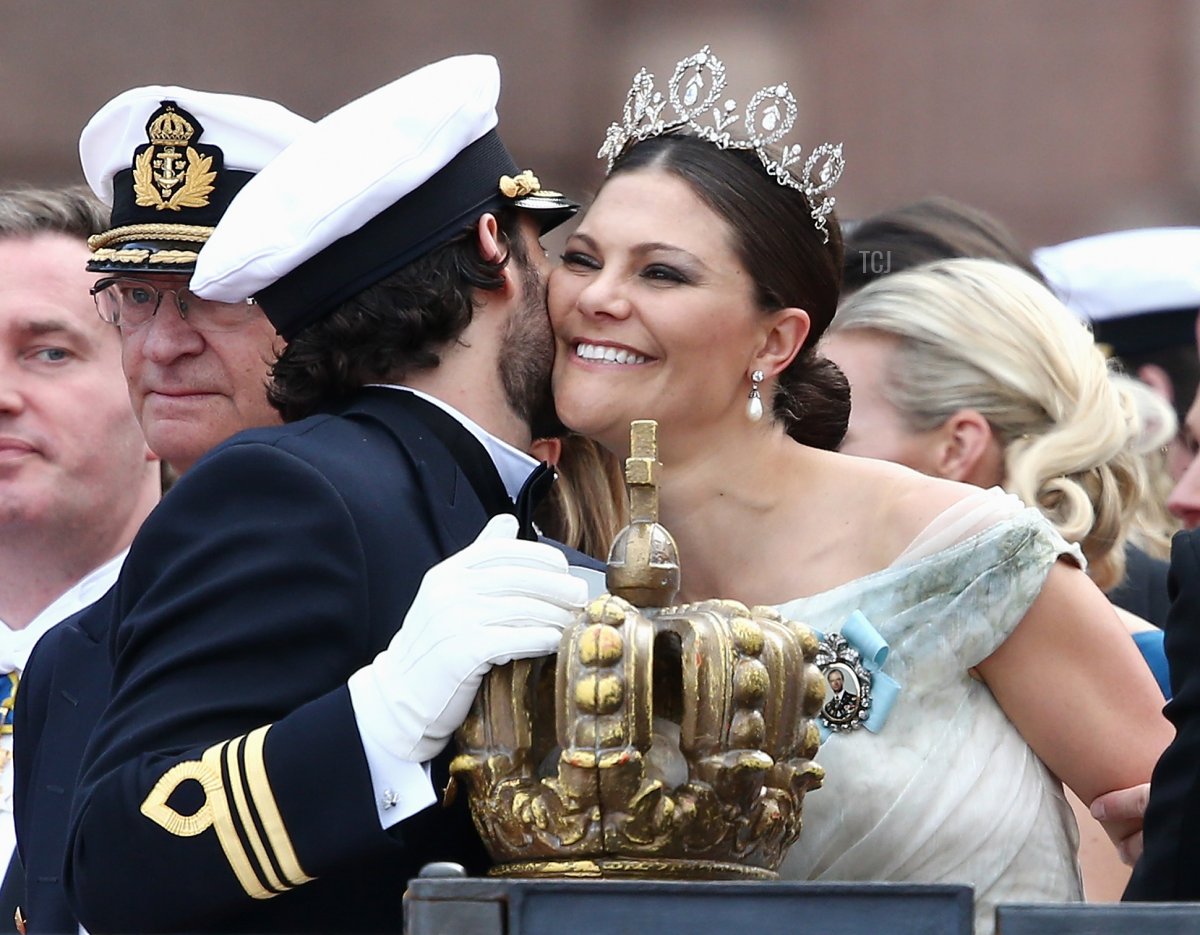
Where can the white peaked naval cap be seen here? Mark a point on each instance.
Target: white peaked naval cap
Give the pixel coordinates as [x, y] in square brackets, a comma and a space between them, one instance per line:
[168, 161]
[1140, 289]
[250, 131]
[376, 184]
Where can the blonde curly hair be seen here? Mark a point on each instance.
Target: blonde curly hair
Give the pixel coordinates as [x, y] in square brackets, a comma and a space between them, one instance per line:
[977, 334]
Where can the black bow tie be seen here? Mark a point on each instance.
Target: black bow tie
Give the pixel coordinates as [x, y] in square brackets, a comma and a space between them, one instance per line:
[532, 492]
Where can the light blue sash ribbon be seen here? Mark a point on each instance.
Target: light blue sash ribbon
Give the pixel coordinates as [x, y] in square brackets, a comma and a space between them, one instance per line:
[872, 648]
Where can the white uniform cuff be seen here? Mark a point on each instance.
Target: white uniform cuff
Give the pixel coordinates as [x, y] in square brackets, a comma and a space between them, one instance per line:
[401, 787]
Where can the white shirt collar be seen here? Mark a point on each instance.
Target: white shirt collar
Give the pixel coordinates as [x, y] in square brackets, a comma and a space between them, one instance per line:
[16, 645]
[513, 465]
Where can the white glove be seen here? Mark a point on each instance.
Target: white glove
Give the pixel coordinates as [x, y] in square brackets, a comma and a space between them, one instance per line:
[499, 599]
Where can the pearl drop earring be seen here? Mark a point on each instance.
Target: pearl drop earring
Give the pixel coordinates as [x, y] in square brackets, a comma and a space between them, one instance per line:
[754, 407]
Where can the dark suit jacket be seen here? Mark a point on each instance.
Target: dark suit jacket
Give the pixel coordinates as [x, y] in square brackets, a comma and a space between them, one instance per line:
[225, 787]
[1168, 869]
[1144, 590]
[63, 690]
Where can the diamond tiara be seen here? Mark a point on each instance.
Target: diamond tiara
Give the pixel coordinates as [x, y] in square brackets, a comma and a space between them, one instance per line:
[693, 91]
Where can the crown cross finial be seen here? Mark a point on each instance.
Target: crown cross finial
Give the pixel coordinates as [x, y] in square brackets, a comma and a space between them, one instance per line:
[692, 92]
[643, 565]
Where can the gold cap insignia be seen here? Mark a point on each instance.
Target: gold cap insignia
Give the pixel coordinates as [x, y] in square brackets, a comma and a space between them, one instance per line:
[170, 173]
[523, 184]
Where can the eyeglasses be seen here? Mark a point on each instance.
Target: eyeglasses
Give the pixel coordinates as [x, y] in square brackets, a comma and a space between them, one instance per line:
[131, 303]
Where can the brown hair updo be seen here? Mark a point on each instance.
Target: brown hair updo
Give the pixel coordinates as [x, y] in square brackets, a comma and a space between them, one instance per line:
[777, 242]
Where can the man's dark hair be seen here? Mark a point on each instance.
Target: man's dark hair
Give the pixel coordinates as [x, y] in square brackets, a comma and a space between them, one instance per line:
[392, 328]
[935, 228]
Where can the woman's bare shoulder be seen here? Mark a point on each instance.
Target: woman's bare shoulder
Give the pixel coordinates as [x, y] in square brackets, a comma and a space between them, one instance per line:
[903, 502]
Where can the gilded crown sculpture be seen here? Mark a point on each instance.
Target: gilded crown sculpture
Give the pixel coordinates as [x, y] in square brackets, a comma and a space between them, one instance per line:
[664, 740]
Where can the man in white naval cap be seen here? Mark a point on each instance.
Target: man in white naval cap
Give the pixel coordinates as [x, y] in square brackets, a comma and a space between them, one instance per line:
[167, 161]
[170, 161]
[285, 682]
[1140, 292]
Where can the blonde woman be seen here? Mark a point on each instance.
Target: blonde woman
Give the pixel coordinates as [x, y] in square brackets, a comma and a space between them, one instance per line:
[971, 370]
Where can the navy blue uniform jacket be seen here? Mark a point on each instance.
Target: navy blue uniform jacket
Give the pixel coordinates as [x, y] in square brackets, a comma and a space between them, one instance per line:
[63, 689]
[1168, 869]
[225, 787]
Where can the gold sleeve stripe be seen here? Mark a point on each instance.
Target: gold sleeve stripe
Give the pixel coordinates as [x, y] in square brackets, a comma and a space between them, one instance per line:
[226, 772]
[227, 834]
[247, 819]
[268, 811]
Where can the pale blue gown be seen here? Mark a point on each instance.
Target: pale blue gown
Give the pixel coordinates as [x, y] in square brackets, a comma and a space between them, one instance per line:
[947, 791]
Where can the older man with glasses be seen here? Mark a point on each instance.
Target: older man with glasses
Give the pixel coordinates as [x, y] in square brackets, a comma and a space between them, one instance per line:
[195, 377]
[198, 376]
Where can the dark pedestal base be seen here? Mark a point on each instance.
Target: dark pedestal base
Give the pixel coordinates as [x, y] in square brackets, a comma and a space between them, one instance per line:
[623, 907]
[1099, 919]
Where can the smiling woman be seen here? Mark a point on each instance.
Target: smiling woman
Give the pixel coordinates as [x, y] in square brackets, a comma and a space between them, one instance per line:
[623, 256]
[702, 276]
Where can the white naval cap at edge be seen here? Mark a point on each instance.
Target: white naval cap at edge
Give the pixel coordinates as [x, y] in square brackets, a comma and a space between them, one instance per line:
[1125, 273]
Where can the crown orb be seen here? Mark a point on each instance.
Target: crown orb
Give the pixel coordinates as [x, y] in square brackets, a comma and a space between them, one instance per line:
[599, 694]
[750, 683]
[600, 645]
